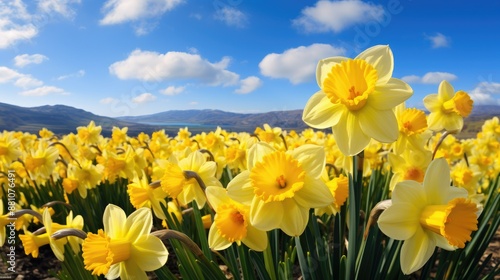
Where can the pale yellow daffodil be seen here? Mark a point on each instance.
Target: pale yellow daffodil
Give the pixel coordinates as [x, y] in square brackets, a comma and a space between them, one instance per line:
[447, 108]
[125, 248]
[356, 99]
[232, 223]
[429, 215]
[281, 187]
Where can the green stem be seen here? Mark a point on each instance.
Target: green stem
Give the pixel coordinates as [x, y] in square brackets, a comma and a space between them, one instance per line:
[244, 264]
[269, 262]
[201, 232]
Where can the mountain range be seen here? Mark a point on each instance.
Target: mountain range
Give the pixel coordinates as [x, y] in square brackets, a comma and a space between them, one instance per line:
[62, 119]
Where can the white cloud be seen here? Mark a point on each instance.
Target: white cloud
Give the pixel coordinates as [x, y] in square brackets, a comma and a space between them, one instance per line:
[143, 98]
[439, 41]
[155, 67]
[336, 16]
[11, 33]
[78, 74]
[61, 7]
[27, 81]
[430, 78]
[298, 64]
[172, 90]
[193, 103]
[43, 90]
[17, 24]
[107, 100]
[248, 85]
[26, 59]
[120, 11]
[486, 93]
[231, 16]
[24, 81]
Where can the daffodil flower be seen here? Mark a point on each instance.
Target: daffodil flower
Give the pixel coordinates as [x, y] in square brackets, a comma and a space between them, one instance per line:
[125, 248]
[281, 187]
[232, 223]
[447, 108]
[356, 99]
[429, 215]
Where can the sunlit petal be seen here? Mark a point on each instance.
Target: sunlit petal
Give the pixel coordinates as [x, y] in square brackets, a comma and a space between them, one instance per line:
[314, 194]
[311, 158]
[416, 251]
[114, 220]
[381, 58]
[324, 67]
[437, 181]
[379, 125]
[390, 94]
[320, 113]
[149, 253]
[240, 188]
[295, 222]
[260, 214]
[400, 221]
[351, 140]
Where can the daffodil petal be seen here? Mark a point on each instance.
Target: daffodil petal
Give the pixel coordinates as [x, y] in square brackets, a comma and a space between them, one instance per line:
[381, 58]
[410, 192]
[311, 158]
[114, 220]
[442, 242]
[435, 121]
[114, 270]
[260, 216]
[350, 139]
[257, 152]
[389, 95]
[217, 196]
[240, 188]
[216, 241]
[149, 253]
[379, 125]
[138, 223]
[399, 221]
[416, 251]
[131, 270]
[255, 239]
[194, 161]
[432, 103]
[445, 91]
[437, 182]
[453, 122]
[313, 194]
[320, 112]
[295, 222]
[207, 169]
[325, 66]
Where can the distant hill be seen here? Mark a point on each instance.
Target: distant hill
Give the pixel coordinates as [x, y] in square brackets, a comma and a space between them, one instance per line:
[59, 119]
[63, 119]
[234, 121]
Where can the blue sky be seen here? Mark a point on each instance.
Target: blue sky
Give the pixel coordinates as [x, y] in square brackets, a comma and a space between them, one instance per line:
[130, 57]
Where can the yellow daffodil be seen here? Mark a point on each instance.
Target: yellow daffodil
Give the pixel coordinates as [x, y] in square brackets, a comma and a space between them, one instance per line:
[125, 248]
[447, 108]
[339, 187]
[466, 177]
[356, 99]
[281, 187]
[41, 162]
[32, 242]
[185, 190]
[232, 223]
[89, 134]
[429, 215]
[410, 165]
[4, 221]
[413, 132]
[9, 148]
[142, 195]
[84, 176]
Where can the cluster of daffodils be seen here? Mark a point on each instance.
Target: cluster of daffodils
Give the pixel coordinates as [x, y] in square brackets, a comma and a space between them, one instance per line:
[249, 184]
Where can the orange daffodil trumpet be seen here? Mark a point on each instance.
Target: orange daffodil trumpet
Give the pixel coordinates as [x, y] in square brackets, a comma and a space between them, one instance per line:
[429, 215]
[356, 99]
[281, 187]
[447, 108]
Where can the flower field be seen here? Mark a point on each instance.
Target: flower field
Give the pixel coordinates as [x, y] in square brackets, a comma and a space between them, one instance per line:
[378, 191]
